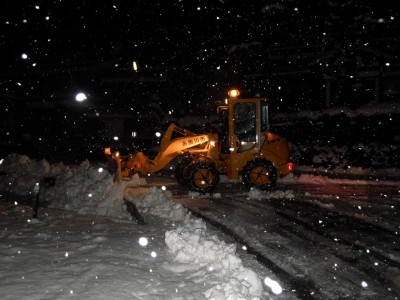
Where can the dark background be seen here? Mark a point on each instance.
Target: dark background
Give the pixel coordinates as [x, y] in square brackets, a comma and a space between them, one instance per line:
[303, 55]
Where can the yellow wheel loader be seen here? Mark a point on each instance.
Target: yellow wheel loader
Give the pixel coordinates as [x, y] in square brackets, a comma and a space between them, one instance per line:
[243, 146]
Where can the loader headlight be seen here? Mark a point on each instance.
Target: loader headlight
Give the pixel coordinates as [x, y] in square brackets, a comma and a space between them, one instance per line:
[234, 93]
[107, 151]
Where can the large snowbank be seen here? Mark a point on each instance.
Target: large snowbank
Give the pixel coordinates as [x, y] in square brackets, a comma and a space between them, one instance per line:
[366, 110]
[88, 189]
[23, 173]
[191, 243]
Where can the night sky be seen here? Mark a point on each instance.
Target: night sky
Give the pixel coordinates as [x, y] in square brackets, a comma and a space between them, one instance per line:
[188, 54]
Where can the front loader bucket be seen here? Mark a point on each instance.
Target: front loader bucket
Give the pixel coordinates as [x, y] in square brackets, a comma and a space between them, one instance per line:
[136, 163]
[125, 166]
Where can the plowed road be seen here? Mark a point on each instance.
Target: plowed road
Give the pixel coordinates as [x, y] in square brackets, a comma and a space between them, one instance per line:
[326, 241]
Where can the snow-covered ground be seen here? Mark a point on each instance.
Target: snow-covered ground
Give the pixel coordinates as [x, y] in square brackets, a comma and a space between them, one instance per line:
[84, 244]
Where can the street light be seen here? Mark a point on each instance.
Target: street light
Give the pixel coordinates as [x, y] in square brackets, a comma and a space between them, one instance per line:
[80, 97]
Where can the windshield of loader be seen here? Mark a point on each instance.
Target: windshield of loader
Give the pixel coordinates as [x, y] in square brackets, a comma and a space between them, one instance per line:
[245, 125]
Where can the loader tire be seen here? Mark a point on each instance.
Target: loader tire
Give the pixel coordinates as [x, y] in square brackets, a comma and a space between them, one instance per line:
[112, 165]
[203, 177]
[259, 173]
[181, 169]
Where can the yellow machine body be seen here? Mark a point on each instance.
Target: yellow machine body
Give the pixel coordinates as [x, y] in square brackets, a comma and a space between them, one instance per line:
[243, 145]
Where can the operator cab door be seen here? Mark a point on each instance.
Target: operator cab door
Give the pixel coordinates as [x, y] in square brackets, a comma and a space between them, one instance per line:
[250, 120]
[242, 125]
[245, 125]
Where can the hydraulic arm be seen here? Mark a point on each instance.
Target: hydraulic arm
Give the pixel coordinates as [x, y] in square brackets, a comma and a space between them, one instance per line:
[174, 143]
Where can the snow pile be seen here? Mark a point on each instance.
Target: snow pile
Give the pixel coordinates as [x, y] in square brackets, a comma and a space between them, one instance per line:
[22, 173]
[255, 193]
[194, 194]
[190, 243]
[86, 189]
[366, 110]
[90, 190]
[157, 203]
[369, 156]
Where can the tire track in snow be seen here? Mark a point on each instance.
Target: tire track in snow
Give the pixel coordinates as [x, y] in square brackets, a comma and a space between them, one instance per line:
[334, 239]
[302, 287]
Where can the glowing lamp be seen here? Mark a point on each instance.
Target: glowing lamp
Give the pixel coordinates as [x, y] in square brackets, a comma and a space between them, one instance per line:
[107, 151]
[234, 93]
[80, 97]
[291, 166]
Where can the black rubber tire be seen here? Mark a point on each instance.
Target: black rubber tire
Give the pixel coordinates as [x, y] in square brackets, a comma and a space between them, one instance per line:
[203, 177]
[259, 173]
[180, 170]
[112, 165]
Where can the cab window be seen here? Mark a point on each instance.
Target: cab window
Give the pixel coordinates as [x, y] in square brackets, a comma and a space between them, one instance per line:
[245, 125]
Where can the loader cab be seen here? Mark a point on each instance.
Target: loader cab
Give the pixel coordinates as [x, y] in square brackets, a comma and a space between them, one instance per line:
[242, 122]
